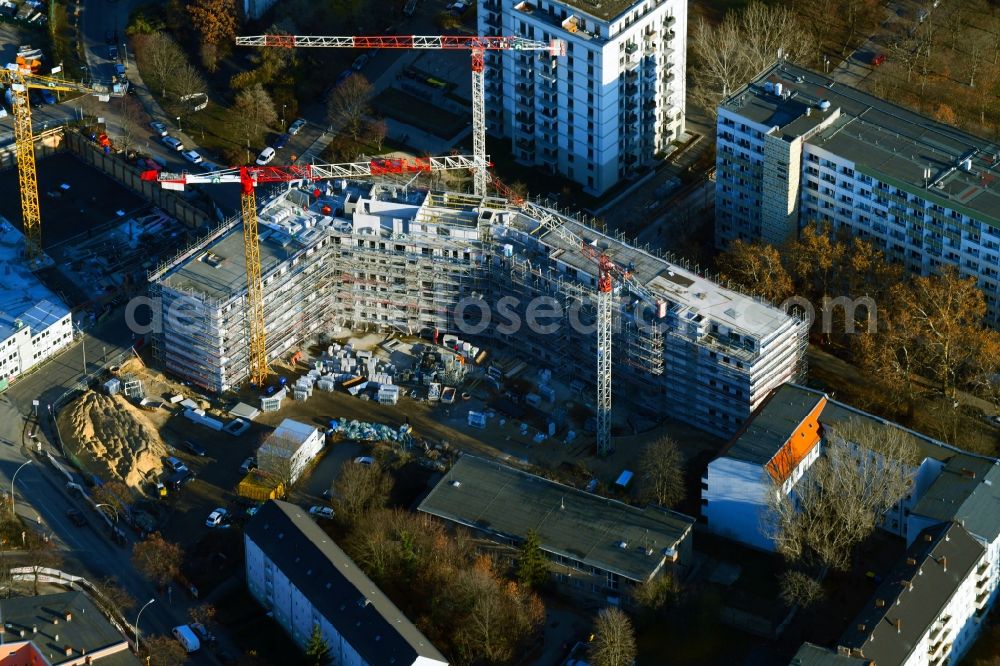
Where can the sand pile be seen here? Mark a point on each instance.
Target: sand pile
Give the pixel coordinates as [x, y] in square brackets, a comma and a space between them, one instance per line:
[117, 436]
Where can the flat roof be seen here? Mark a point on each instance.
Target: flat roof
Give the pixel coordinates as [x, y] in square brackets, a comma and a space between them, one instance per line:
[23, 297]
[784, 409]
[487, 495]
[966, 490]
[884, 140]
[337, 588]
[603, 10]
[772, 424]
[294, 430]
[890, 626]
[698, 295]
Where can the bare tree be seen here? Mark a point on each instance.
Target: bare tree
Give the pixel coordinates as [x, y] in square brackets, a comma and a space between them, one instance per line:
[865, 470]
[42, 554]
[186, 80]
[349, 103]
[662, 466]
[157, 559]
[159, 55]
[360, 488]
[253, 112]
[799, 589]
[614, 639]
[727, 56]
[111, 593]
[162, 651]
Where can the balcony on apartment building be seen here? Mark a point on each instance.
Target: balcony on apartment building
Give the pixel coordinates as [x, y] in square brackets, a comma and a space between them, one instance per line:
[493, 20]
[669, 21]
[630, 89]
[525, 144]
[525, 87]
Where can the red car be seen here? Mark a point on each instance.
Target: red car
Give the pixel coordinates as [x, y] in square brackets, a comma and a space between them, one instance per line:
[878, 59]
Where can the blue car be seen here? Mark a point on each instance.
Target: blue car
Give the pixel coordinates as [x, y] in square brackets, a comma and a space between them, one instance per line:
[48, 97]
[281, 141]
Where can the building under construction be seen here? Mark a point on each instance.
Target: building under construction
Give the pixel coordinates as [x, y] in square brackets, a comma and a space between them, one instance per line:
[385, 257]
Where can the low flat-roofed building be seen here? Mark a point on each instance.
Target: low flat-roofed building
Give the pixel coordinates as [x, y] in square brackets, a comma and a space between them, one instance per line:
[599, 548]
[66, 629]
[34, 323]
[296, 571]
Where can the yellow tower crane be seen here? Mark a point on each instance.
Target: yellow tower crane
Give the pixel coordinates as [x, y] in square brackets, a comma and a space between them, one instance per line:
[19, 83]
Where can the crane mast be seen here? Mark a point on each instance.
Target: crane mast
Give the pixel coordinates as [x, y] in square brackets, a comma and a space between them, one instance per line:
[607, 273]
[476, 44]
[24, 142]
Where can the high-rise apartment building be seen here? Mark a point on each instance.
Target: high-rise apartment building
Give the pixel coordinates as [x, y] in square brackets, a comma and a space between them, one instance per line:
[613, 102]
[794, 148]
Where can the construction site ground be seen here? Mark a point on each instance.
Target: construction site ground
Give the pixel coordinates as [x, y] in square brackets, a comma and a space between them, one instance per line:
[574, 462]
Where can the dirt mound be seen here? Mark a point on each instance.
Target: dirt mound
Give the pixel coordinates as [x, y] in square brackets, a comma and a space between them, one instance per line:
[117, 436]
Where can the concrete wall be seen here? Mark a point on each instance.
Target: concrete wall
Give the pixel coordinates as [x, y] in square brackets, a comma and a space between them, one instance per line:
[129, 176]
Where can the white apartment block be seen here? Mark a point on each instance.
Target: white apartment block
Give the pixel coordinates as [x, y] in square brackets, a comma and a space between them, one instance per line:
[927, 612]
[611, 104]
[795, 149]
[304, 580]
[34, 323]
[373, 257]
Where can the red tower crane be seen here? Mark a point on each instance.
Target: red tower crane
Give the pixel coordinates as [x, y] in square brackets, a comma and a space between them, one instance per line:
[476, 44]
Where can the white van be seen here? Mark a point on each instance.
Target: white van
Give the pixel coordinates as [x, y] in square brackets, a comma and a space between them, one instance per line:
[185, 636]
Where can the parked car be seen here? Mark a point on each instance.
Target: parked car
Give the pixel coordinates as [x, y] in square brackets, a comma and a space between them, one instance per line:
[193, 157]
[48, 97]
[175, 464]
[216, 518]
[360, 62]
[265, 156]
[120, 70]
[190, 446]
[296, 126]
[112, 52]
[249, 465]
[281, 141]
[202, 631]
[364, 460]
[878, 59]
[76, 517]
[172, 142]
[321, 512]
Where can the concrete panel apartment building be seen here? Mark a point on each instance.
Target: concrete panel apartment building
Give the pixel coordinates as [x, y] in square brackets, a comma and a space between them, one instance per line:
[366, 256]
[794, 148]
[614, 101]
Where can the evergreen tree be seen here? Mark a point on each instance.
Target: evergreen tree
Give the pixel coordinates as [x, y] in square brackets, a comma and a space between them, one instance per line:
[317, 651]
[532, 568]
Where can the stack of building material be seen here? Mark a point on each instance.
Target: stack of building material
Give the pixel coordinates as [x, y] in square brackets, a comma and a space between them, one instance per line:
[112, 386]
[272, 403]
[388, 394]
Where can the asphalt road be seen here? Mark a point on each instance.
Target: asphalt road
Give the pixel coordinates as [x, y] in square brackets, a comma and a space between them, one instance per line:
[41, 492]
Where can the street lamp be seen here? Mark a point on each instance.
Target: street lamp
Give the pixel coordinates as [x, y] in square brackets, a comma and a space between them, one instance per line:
[12, 480]
[283, 117]
[136, 626]
[179, 129]
[110, 506]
